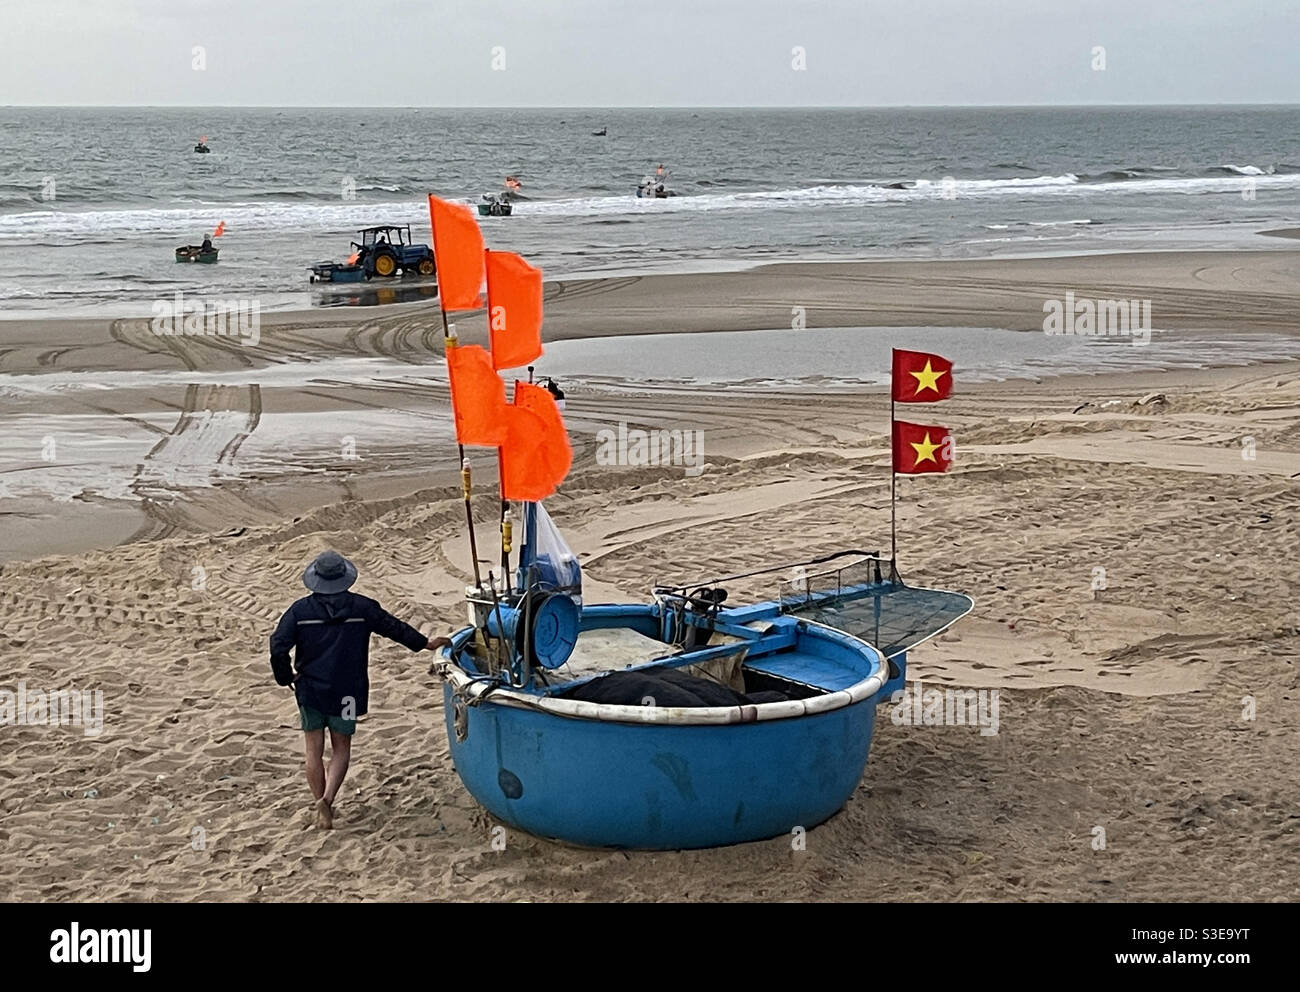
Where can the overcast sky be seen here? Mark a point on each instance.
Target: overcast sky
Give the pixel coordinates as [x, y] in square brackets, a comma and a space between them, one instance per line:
[655, 53]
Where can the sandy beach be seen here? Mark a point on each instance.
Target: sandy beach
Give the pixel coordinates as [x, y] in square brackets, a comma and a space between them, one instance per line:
[1148, 727]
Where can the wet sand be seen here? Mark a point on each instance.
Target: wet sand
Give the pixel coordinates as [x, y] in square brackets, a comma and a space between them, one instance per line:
[1122, 708]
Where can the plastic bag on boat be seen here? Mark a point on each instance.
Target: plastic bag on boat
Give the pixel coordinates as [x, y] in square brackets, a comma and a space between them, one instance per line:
[555, 565]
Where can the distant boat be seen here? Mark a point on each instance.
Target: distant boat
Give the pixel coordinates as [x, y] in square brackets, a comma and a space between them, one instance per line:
[495, 205]
[601, 133]
[653, 191]
[655, 188]
[197, 253]
[202, 147]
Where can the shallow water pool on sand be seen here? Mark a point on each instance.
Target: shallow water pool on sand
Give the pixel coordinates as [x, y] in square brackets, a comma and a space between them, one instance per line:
[855, 356]
[68, 435]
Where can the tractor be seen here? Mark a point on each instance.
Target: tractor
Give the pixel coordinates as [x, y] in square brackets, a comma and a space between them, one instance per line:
[387, 250]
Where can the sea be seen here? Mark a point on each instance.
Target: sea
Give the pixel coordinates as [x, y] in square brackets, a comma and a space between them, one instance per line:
[94, 201]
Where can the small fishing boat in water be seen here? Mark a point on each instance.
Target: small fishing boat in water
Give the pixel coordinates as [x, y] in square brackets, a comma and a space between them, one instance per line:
[197, 253]
[655, 188]
[495, 205]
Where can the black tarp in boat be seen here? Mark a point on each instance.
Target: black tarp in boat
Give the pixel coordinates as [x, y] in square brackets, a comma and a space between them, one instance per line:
[661, 686]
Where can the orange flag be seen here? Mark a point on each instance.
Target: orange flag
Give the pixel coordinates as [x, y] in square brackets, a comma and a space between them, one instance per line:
[221, 229]
[536, 456]
[514, 291]
[458, 254]
[554, 441]
[478, 397]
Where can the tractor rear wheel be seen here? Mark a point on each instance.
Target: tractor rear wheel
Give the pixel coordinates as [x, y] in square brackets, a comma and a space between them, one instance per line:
[385, 264]
[425, 268]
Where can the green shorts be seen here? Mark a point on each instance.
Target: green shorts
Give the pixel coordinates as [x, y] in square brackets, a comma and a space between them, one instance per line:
[316, 720]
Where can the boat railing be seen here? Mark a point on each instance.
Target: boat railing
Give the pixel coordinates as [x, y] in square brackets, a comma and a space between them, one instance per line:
[800, 581]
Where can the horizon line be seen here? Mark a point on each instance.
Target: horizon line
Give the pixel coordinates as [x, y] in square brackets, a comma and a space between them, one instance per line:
[612, 107]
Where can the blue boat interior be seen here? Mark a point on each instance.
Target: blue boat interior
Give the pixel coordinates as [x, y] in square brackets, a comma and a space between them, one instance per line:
[796, 646]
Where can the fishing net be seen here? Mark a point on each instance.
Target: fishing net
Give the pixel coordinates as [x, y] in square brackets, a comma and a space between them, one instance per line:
[887, 614]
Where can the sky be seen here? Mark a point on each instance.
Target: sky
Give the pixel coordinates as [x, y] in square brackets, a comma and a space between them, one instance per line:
[611, 53]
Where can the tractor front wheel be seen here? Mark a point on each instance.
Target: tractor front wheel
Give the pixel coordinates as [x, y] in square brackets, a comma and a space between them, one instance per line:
[425, 268]
[385, 265]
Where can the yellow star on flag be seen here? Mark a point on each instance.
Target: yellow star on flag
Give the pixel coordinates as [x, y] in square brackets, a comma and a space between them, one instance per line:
[927, 378]
[924, 450]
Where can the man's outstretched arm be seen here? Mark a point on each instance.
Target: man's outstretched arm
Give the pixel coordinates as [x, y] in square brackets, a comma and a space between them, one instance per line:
[386, 625]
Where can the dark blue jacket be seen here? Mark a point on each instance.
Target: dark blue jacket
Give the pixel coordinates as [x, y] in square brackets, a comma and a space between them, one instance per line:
[330, 638]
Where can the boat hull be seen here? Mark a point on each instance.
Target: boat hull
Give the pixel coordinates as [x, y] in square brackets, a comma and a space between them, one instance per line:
[193, 254]
[337, 272]
[659, 787]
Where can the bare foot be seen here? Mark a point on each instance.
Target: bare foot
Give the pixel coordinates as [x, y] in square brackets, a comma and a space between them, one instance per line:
[324, 815]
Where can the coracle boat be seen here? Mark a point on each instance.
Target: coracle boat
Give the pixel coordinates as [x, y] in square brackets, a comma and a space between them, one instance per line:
[679, 723]
[197, 253]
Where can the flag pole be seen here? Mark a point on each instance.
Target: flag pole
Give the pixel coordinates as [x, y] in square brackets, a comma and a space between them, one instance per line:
[448, 341]
[893, 483]
[507, 535]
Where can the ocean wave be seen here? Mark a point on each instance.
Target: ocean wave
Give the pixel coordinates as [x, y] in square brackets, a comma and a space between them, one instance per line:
[1082, 222]
[1114, 176]
[1138, 172]
[1075, 222]
[1242, 170]
[336, 216]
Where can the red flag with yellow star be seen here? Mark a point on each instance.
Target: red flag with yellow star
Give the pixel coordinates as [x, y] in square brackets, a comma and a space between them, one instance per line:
[920, 377]
[920, 448]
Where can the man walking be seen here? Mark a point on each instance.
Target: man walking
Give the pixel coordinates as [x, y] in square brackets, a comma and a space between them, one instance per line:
[329, 633]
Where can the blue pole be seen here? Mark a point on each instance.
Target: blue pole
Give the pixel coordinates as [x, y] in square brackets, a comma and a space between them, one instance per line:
[528, 549]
